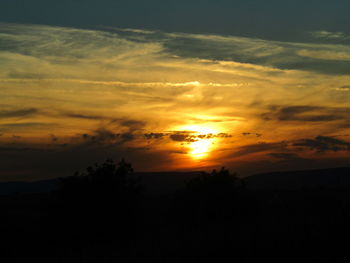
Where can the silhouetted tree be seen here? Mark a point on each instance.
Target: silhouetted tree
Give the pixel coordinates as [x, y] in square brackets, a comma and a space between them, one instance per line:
[210, 197]
[103, 199]
[214, 184]
[102, 180]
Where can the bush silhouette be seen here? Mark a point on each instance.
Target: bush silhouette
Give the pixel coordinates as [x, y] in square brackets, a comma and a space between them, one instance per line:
[213, 185]
[209, 198]
[103, 200]
[101, 181]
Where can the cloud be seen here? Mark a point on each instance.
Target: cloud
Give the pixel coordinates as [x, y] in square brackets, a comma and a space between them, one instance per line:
[275, 54]
[259, 147]
[20, 126]
[83, 116]
[107, 136]
[343, 88]
[284, 156]
[178, 137]
[190, 136]
[222, 135]
[113, 49]
[324, 144]
[258, 135]
[18, 113]
[133, 124]
[325, 54]
[157, 135]
[323, 34]
[104, 135]
[290, 150]
[306, 113]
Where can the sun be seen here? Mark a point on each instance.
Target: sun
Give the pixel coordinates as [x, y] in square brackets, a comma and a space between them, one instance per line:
[204, 141]
[200, 148]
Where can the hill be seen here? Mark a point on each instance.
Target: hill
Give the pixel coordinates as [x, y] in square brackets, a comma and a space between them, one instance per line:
[294, 180]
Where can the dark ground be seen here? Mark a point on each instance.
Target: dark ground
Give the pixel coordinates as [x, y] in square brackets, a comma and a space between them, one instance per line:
[103, 216]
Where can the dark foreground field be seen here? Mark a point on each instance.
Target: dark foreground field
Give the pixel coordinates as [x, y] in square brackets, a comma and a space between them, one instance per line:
[107, 215]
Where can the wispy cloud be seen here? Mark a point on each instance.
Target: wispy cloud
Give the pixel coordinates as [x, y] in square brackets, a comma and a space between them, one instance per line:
[323, 34]
[324, 144]
[325, 54]
[18, 113]
[343, 88]
[306, 113]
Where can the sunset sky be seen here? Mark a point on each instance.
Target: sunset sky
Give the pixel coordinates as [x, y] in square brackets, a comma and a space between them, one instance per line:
[254, 86]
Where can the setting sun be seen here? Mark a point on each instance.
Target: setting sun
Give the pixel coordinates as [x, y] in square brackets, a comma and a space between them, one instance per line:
[202, 145]
[200, 148]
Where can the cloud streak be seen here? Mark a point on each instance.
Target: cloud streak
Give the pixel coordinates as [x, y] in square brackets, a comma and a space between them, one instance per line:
[303, 113]
[324, 143]
[19, 113]
[323, 34]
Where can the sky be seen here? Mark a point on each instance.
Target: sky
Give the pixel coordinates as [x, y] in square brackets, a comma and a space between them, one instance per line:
[255, 86]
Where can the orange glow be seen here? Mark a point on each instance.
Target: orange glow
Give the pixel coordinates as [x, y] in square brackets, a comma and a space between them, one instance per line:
[201, 147]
